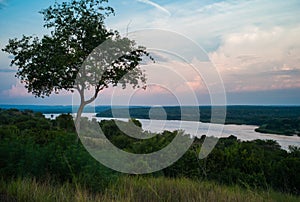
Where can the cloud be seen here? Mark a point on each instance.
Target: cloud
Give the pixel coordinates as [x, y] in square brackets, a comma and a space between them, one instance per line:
[17, 90]
[156, 6]
[207, 22]
[168, 83]
[260, 59]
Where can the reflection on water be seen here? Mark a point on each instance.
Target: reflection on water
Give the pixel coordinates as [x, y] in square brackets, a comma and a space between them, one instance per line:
[242, 132]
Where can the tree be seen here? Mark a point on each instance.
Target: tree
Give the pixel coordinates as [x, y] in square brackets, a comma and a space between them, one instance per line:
[62, 61]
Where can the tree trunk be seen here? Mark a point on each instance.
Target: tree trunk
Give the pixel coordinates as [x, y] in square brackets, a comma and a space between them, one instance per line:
[78, 117]
[83, 103]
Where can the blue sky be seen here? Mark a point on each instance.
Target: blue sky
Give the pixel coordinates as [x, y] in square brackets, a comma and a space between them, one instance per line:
[254, 45]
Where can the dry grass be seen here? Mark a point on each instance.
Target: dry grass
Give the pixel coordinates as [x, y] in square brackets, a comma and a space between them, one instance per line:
[135, 189]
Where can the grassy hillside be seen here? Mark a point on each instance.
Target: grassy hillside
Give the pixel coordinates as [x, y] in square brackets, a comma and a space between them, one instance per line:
[136, 189]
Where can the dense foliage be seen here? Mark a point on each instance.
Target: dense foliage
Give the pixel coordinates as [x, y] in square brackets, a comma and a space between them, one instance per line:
[33, 146]
[259, 163]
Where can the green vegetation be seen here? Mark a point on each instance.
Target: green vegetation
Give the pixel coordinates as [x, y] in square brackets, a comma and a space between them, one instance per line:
[283, 126]
[280, 120]
[136, 189]
[31, 149]
[41, 158]
[256, 164]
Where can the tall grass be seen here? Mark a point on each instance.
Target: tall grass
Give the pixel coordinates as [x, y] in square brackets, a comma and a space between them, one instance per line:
[164, 189]
[30, 190]
[135, 189]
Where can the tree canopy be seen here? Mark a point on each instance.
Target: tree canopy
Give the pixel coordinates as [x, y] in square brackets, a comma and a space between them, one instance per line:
[61, 60]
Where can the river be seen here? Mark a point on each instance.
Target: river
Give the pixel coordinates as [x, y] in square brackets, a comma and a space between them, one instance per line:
[242, 132]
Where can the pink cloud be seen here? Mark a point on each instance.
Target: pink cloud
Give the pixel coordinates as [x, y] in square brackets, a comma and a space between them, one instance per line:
[17, 90]
[258, 59]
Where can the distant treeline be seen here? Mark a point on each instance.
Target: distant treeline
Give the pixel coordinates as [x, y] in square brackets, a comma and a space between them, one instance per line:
[36, 147]
[283, 120]
[55, 109]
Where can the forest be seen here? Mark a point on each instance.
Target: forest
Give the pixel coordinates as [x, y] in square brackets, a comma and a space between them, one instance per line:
[39, 150]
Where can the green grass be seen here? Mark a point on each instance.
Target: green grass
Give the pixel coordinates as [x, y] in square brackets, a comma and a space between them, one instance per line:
[135, 189]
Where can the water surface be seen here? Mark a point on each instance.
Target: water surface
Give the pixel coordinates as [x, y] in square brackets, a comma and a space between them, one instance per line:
[242, 132]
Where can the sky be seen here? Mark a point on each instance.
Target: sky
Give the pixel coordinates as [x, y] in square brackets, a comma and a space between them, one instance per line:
[253, 46]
